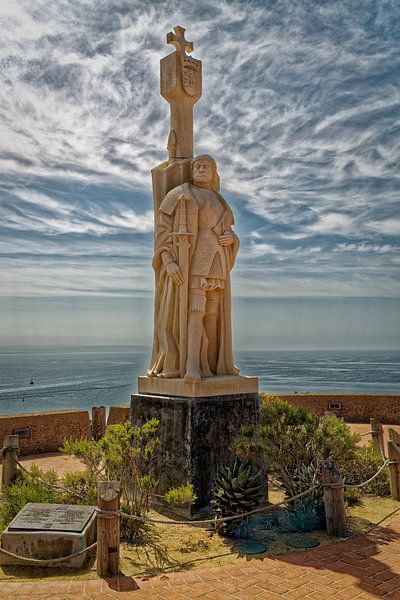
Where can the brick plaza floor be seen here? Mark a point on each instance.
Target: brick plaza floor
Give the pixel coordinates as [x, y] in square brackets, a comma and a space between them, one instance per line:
[366, 566]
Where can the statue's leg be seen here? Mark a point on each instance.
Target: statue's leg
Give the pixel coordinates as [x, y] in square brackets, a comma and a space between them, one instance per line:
[197, 304]
[211, 326]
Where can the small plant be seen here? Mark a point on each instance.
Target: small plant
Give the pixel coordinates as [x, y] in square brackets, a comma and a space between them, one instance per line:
[79, 487]
[238, 489]
[181, 496]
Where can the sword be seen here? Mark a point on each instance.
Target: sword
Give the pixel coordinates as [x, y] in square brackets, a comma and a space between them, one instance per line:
[183, 244]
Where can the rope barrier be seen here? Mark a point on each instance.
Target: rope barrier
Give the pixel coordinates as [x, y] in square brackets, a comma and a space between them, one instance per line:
[220, 519]
[360, 485]
[396, 447]
[109, 514]
[46, 561]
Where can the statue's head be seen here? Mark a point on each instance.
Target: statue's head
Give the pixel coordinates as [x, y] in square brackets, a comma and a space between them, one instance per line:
[203, 170]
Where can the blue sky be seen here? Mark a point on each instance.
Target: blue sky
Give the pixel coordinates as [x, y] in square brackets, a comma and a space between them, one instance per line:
[301, 109]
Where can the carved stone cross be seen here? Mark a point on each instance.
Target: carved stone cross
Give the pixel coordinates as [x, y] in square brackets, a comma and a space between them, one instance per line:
[177, 39]
[181, 88]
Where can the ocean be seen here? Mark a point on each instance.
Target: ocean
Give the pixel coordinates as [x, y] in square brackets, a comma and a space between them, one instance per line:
[82, 377]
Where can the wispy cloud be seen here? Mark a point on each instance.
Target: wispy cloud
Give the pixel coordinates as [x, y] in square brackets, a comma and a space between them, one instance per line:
[300, 106]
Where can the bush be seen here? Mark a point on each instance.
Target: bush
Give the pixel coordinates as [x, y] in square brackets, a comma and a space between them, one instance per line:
[82, 486]
[181, 496]
[290, 444]
[26, 489]
[366, 462]
[126, 454]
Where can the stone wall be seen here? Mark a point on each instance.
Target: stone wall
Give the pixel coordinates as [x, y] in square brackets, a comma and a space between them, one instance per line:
[118, 414]
[45, 432]
[354, 408]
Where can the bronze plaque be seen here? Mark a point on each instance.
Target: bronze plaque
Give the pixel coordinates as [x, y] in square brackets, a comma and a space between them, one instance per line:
[52, 517]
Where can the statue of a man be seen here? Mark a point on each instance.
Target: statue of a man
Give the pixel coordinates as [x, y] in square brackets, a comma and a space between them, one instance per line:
[205, 309]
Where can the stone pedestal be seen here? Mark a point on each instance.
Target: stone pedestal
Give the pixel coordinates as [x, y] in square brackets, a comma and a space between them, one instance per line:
[48, 531]
[195, 434]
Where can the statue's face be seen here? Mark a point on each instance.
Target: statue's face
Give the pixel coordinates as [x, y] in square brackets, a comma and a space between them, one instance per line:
[202, 173]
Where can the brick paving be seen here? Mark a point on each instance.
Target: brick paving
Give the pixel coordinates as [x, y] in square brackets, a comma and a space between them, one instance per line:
[362, 567]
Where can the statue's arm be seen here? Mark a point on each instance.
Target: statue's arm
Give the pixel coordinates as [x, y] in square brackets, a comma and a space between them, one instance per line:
[164, 247]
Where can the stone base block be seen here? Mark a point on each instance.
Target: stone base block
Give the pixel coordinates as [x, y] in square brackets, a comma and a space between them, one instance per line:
[195, 434]
[226, 385]
[46, 544]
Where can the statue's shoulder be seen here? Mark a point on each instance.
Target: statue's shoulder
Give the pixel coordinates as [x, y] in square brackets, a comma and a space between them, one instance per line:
[171, 199]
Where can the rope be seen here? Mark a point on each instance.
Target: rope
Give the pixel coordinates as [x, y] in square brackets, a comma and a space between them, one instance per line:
[44, 561]
[109, 514]
[395, 446]
[366, 433]
[50, 485]
[221, 519]
[360, 485]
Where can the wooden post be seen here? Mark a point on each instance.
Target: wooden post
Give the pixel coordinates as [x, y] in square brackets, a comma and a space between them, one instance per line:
[377, 436]
[9, 453]
[98, 422]
[108, 528]
[333, 499]
[394, 463]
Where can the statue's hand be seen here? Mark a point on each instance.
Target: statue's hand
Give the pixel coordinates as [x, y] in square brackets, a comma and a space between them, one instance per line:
[226, 239]
[175, 273]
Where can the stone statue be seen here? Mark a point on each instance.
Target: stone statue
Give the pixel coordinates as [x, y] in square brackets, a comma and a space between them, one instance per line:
[192, 386]
[195, 250]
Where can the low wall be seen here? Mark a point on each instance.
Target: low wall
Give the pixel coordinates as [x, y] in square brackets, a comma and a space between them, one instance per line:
[354, 408]
[45, 432]
[118, 414]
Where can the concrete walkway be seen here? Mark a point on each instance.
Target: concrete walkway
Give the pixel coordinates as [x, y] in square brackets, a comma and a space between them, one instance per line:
[362, 567]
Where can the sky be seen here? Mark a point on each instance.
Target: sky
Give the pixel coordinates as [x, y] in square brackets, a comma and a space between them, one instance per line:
[300, 108]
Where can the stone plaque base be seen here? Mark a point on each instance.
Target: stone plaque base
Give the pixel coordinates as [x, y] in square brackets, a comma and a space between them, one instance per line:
[226, 385]
[195, 434]
[47, 531]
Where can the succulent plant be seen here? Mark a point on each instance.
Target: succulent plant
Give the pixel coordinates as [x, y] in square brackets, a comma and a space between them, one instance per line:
[237, 489]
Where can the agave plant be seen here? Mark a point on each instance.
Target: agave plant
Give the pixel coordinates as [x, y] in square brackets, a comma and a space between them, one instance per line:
[237, 490]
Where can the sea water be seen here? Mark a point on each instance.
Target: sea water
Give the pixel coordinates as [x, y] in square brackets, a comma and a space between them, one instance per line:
[82, 377]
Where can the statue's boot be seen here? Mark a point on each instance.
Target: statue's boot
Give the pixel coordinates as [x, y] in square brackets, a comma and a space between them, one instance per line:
[195, 332]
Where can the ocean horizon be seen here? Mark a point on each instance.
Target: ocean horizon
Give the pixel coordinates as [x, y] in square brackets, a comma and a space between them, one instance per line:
[79, 377]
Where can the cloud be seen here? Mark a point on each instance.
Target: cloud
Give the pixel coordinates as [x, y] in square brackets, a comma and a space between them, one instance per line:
[364, 247]
[386, 226]
[300, 107]
[332, 223]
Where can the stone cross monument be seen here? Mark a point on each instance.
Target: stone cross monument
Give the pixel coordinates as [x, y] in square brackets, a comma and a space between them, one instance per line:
[192, 385]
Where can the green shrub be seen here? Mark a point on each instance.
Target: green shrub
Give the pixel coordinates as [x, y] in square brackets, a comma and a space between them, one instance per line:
[181, 496]
[80, 488]
[125, 454]
[290, 443]
[26, 489]
[366, 462]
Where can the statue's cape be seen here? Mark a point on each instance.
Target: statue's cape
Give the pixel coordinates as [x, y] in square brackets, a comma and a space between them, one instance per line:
[165, 354]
